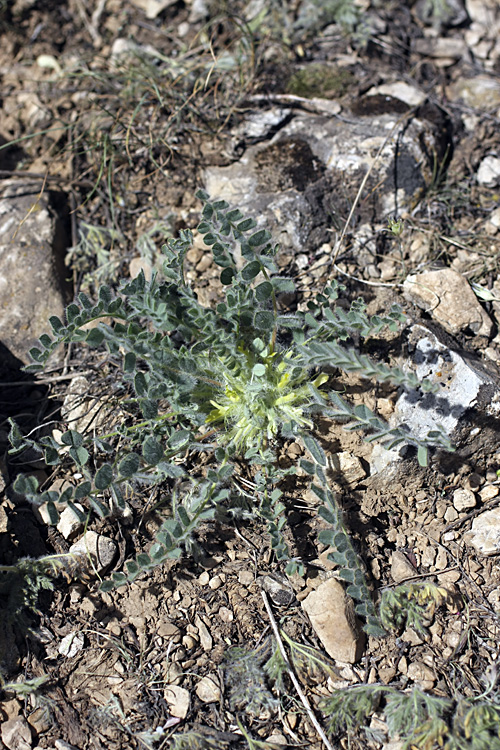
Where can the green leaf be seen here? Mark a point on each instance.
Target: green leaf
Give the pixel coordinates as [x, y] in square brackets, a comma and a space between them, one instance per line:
[152, 451]
[72, 438]
[83, 490]
[259, 370]
[314, 449]
[36, 354]
[180, 438]
[245, 225]
[263, 320]
[51, 456]
[263, 291]
[282, 284]
[423, 455]
[251, 270]
[129, 465]
[129, 362]
[227, 276]
[140, 384]
[94, 337]
[144, 560]
[72, 311]
[45, 341]
[26, 484]
[80, 514]
[103, 477]
[56, 324]
[308, 466]
[105, 294]
[66, 495]
[84, 301]
[234, 215]
[149, 408]
[259, 238]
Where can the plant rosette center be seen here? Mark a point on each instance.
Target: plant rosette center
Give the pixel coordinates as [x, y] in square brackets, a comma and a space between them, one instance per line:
[257, 402]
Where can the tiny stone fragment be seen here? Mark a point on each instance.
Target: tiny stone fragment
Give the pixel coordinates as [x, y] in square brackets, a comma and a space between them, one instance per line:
[69, 524]
[71, 644]
[206, 639]
[448, 297]
[488, 492]
[208, 691]
[277, 739]
[226, 615]
[488, 173]
[279, 589]
[450, 515]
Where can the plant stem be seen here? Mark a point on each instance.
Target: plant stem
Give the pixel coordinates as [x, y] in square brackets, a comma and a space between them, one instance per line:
[292, 676]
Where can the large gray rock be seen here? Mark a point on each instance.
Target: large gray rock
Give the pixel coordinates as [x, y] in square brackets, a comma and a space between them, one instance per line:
[32, 285]
[466, 407]
[312, 168]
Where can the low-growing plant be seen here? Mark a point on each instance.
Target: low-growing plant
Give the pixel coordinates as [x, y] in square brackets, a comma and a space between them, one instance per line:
[411, 604]
[421, 721]
[232, 381]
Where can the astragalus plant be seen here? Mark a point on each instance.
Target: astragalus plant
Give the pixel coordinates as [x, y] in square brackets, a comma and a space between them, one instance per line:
[231, 380]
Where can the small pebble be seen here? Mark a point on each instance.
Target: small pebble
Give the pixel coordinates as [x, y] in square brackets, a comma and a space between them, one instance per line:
[421, 673]
[450, 515]
[488, 492]
[464, 499]
[208, 691]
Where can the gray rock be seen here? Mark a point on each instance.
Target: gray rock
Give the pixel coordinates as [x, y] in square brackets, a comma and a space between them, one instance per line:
[464, 499]
[401, 567]
[260, 125]
[98, 548]
[16, 734]
[71, 644]
[481, 92]
[208, 690]
[295, 182]
[332, 616]
[32, 286]
[401, 90]
[178, 700]
[69, 524]
[484, 535]
[488, 172]
[441, 15]
[469, 396]
[348, 467]
[447, 296]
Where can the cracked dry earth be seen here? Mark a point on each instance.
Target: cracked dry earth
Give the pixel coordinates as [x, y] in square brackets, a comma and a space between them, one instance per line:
[150, 655]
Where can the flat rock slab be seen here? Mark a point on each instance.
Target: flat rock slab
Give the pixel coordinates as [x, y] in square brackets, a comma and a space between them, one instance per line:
[311, 169]
[32, 285]
[332, 616]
